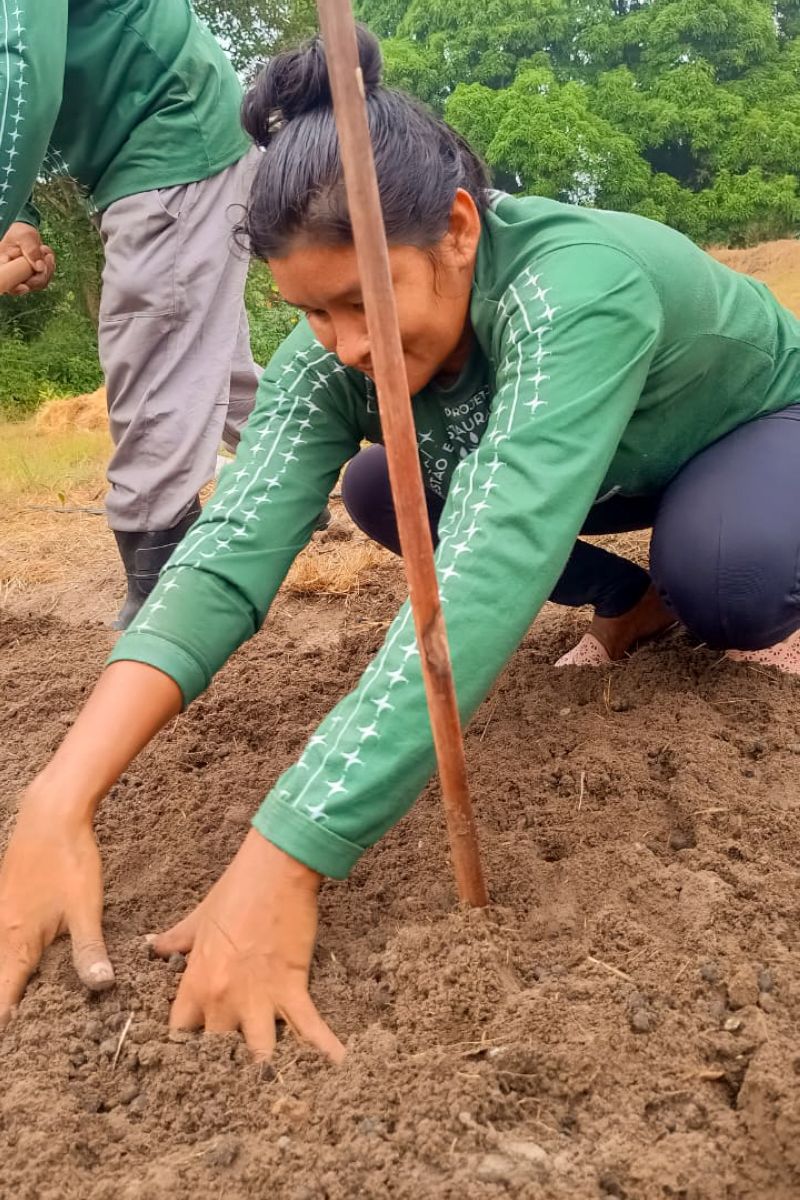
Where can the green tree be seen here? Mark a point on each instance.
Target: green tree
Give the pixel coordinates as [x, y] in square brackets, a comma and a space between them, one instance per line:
[252, 30]
[545, 136]
[686, 110]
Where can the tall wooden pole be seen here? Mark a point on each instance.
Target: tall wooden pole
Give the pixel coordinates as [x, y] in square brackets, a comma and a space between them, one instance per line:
[397, 422]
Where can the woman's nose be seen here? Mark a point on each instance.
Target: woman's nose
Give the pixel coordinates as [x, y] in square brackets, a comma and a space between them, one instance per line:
[352, 348]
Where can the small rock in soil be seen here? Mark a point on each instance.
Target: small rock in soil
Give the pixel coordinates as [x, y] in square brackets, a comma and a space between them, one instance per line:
[94, 1031]
[291, 1109]
[642, 1021]
[92, 1102]
[717, 1009]
[767, 1002]
[742, 988]
[238, 815]
[150, 1054]
[495, 1168]
[766, 980]
[223, 1154]
[368, 1125]
[682, 839]
[611, 1186]
[177, 962]
[531, 1152]
[696, 1116]
[283, 1142]
[116, 1127]
[129, 1093]
[109, 1047]
[138, 1106]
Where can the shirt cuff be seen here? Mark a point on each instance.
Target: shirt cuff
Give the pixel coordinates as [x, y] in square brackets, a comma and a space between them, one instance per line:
[29, 214]
[305, 840]
[156, 651]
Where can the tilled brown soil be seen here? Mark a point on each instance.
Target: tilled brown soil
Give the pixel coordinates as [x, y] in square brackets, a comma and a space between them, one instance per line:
[621, 1023]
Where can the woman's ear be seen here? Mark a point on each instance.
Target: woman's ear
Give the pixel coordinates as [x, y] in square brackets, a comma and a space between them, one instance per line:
[460, 243]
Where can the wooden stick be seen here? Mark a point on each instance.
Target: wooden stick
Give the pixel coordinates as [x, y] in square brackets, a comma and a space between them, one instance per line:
[397, 421]
[14, 273]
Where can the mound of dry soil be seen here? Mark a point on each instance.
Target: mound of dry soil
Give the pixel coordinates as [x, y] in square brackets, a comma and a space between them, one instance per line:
[621, 1023]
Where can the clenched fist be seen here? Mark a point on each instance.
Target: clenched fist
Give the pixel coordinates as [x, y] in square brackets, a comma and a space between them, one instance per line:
[24, 241]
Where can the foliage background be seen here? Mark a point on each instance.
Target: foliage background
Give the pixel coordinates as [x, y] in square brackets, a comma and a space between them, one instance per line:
[687, 111]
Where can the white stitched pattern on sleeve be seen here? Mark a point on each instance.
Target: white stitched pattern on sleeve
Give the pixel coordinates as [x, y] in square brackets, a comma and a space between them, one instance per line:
[257, 479]
[529, 315]
[13, 97]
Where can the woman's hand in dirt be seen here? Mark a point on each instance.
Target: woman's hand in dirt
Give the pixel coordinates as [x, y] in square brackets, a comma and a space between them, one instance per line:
[24, 241]
[251, 942]
[50, 883]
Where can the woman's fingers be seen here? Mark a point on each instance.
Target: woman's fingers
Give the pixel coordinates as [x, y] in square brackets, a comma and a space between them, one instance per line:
[15, 971]
[258, 1028]
[91, 961]
[221, 1018]
[89, 953]
[177, 940]
[186, 1011]
[302, 1016]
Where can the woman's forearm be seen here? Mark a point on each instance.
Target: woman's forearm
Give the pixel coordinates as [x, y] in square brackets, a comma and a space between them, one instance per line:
[130, 703]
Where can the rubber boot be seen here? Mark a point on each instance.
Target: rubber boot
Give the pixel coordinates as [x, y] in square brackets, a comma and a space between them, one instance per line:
[143, 555]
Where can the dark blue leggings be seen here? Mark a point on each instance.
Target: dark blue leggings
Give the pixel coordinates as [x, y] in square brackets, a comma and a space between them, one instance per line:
[725, 550]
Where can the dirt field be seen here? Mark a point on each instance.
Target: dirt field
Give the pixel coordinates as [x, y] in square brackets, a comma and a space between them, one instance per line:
[622, 1022]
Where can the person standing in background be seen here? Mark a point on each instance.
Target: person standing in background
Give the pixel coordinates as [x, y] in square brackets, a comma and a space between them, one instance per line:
[139, 104]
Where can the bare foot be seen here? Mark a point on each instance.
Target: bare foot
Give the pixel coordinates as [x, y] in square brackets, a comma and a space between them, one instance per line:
[618, 634]
[609, 638]
[785, 655]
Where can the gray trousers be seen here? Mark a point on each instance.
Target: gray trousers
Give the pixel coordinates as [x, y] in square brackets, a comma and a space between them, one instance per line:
[174, 343]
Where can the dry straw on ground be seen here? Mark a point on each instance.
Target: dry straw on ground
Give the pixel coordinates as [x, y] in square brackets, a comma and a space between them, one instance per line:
[775, 263]
[73, 412]
[336, 567]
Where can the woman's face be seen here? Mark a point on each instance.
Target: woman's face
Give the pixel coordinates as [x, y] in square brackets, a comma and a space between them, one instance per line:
[432, 291]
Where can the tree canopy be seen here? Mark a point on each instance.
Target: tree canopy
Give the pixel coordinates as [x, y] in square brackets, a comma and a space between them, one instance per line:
[683, 110]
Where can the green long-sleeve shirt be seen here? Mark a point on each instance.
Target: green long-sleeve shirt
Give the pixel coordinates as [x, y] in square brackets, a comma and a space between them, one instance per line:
[123, 95]
[609, 350]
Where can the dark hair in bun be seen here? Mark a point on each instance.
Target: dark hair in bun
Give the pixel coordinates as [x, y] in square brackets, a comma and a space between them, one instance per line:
[298, 190]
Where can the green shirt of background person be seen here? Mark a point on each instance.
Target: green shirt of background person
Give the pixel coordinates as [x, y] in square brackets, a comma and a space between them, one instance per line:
[590, 353]
[136, 101]
[124, 96]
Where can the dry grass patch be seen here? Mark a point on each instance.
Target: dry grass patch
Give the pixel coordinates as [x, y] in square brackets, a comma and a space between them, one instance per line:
[336, 565]
[775, 263]
[61, 468]
[88, 411]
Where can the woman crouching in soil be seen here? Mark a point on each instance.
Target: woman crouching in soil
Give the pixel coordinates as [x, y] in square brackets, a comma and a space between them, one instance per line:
[572, 370]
